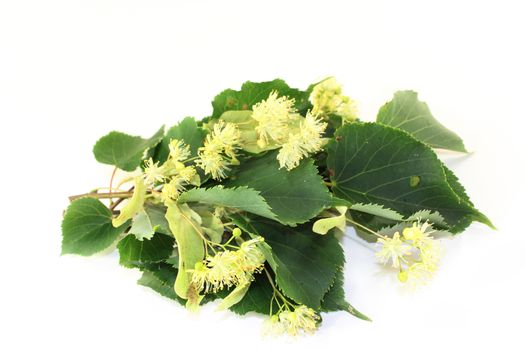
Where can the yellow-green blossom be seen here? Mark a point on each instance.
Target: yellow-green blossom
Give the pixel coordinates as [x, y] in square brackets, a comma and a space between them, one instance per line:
[291, 152]
[299, 145]
[393, 249]
[416, 253]
[179, 151]
[152, 172]
[212, 163]
[229, 268]
[219, 150]
[273, 117]
[327, 98]
[302, 319]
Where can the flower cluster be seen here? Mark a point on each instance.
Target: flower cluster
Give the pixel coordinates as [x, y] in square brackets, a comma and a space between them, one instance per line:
[414, 252]
[220, 150]
[229, 268]
[327, 98]
[280, 125]
[173, 175]
[301, 319]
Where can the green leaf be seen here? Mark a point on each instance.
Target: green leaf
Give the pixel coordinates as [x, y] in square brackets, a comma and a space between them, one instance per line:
[335, 299]
[157, 217]
[161, 279]
[137, 253]
[257, 298]
[135, 203]
[241, 198]
[251, 93]
[87, 228]
[211, 225]
[188, 131]
[373, 163]
[185, 225]
[294, 196]
[377, 210]
[142, 227]
[305, 264]
[406, 112]
[124, 151]
[462, 194]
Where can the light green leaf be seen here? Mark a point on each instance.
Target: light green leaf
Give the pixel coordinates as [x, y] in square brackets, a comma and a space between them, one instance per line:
[406, 112]
[135, 203]
[211, 225]
[251, 93]
[138, 253]
[87, 228]
[373, 163]
[426, 215]
[142, 227]
[234, 297]
[294, 196]
[242, 198]
[322, 226]
[188, 131]
[305, 264]
[157, 217]
[377, 210]
[124, 151]
[185, 226]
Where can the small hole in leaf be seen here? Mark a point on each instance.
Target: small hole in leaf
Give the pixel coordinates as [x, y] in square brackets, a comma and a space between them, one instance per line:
[414, 181]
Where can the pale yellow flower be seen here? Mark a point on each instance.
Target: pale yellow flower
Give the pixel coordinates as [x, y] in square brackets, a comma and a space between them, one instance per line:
[291, 152]
[152, 172]
[188, 173]
[179, 151]
[252, 257]
[229, 268]
[273, 116]
[416, 253]
[327, 98]
[272, 326]
[219, 150]
[213, 163]
[302, 319]
[393, 249]
[311, 131]
[172, 189]
[299, 145]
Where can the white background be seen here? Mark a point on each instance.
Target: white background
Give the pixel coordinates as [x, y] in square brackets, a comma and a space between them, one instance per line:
[71, 71]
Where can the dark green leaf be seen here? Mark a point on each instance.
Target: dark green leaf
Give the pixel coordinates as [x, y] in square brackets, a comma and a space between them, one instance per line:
[305, 263]
[124, 151]
[135, 253]
[294, 196]
[406, 112]
[251, 93]
[161, 278]
[242, 198]
[188, 131]
[373, 163]
[87, 228]
[334, 299]
[258, 298]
